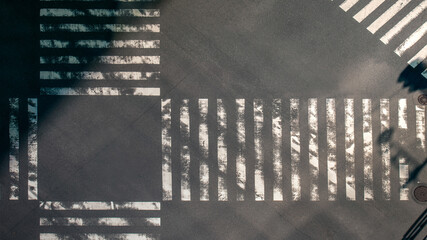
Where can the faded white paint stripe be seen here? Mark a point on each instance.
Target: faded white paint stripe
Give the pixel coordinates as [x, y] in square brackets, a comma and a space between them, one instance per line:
[420, 126]
[241, 148]
[185, 151]
[95, 236]
[403, 178]
[405, 21]
[277, 150]
[75, 27]
[166, 109]
[101, 91]
[350, 188]
[331, 135]
[313, 154]
[424, 73]
[295, 150]
[387, 15]
[419, 57]
[367, 10]
[222, 151]
[385, 147]
[204, 150]
[14, 148]
[368, 193]
[411, 40]
[100, 59]
[53, 43]
[104, 221]
[89, 75]
[32, 149]
[402, 114]
[347, 4]
[64, 12]
[259, 152]
[94, 205]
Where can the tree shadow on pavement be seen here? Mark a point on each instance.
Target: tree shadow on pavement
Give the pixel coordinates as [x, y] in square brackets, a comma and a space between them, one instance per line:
[412, 78]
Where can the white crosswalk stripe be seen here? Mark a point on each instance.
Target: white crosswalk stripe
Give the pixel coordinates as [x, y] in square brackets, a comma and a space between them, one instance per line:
[268, 183]
[392, 12]
[54, 227]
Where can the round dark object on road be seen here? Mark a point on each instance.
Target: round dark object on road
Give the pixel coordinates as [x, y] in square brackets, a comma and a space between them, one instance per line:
[420, 193]
[422, 99]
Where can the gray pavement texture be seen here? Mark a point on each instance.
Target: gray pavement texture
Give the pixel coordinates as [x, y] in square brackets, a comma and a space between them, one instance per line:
[109, 148]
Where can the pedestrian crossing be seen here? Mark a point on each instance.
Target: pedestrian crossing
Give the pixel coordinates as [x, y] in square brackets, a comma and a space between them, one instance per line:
[57, 217]
[412, 41]
[81, 42]
[257, 147]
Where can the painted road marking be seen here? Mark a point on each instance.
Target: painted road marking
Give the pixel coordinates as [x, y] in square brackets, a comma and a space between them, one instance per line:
[185, 151]
[63, 12]
[350, 180]
[74, 27]
[166, 110]
[241, 149]
[402, 23]
[347, 4]
[14, 148]
[420, 126]
[95, 236]
[411, 40]
[368, 9]
[204, 150]
[100, 91]
[259, 151]
[222, 151]
[277, 150]
[100, 60]
[97, 205]
[331, 129]
[295, 150]
[104, 221]
[403, 164]
[403, 178]
[53, 43]
[387, 15]
[418, 58]
[313, 153]
[91, 75]
[32, 149]
[403, 114]
[368, 192]
[385, 147]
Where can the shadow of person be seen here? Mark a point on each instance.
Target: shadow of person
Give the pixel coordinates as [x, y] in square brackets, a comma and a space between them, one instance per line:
[412, 78]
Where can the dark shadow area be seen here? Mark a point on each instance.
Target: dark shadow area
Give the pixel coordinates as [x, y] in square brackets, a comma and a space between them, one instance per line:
[412, 79]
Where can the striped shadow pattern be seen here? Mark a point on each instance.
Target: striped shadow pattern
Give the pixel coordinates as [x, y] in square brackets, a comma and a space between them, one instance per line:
[99, 220]
[394, 19]
[108, 49]
[288, 149]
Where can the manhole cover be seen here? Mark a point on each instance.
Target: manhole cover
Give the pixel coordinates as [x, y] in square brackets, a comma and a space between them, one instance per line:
[422, 99]
[420, 193]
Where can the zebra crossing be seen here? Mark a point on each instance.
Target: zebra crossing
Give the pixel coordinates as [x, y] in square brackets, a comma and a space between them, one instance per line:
[76, 46]
[247, 135]
[417, 12]
[56, 217]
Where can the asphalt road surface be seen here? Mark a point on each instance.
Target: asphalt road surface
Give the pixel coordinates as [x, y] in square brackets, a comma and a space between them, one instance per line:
[139, 119]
